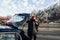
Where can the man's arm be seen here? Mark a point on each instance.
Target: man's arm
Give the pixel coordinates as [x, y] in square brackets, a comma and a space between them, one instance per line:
[36, 25]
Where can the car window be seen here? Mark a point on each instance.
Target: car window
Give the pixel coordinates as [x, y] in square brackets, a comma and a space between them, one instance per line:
[17, 18]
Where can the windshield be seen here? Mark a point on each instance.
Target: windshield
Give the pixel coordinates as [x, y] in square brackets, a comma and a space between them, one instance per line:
[17, 18]
[7, 37]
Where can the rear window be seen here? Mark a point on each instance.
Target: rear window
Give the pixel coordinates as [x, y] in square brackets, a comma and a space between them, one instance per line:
[17, 18]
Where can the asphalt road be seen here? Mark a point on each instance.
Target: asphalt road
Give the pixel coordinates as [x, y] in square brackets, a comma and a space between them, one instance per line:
[47, 33]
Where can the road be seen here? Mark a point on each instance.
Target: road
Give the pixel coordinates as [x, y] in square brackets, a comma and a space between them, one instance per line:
[47, 33]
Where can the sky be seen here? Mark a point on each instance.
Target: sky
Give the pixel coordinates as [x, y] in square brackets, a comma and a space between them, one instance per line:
[11, 7]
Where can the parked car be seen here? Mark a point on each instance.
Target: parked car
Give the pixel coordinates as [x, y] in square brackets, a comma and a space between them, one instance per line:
[10, 31]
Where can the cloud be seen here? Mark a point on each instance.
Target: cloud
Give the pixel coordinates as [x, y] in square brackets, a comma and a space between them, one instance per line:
[5, 3]
[42, 1]
[16, 6]
[25, 3]
[52, 3]
[8, 7]
[38, 1]
[27, 9]
[34, 1]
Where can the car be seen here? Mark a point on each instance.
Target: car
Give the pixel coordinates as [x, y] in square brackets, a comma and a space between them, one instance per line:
[18, 19]
[10, 31]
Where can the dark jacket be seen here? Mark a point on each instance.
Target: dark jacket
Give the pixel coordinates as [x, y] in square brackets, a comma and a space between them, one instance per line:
[30, 24]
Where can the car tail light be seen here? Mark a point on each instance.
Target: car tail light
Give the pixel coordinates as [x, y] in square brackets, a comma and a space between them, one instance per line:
[9, 23]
